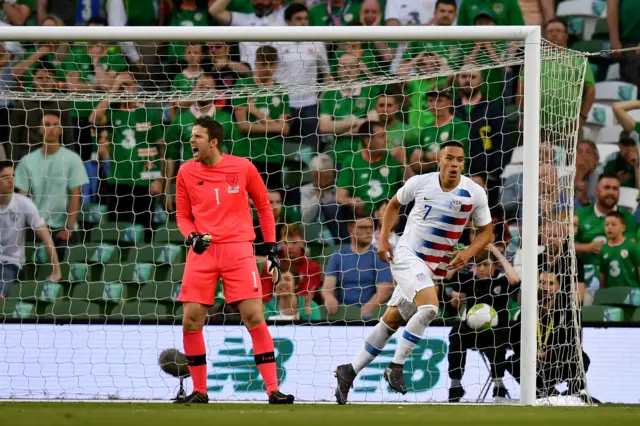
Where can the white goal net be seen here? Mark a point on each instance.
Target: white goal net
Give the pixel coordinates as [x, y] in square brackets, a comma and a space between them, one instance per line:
[335, 129]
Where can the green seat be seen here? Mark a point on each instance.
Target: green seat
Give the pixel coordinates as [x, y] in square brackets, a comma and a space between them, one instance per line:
[74, 309]
[169, 234]
[128, 273]
[93, 253]
[25, 290]
[110, 293]
[79, 272]
[599, 313]
[636, 316]
[168, 272]
[618, 296]
[24, 310]
[91, 215]
[142, 311]
[7, 307]
[158, 254]
[162, 292]
[601, 31]
[121, 234]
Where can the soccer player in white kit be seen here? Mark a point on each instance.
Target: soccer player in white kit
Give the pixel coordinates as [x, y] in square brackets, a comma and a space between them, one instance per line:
[444, 202]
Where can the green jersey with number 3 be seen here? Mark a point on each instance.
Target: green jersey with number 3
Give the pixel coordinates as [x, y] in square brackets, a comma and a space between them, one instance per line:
[372, 182]
[620, 264]
[266, 148]
[134, 151]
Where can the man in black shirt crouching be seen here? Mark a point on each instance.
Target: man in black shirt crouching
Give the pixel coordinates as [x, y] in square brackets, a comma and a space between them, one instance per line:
[485, 286]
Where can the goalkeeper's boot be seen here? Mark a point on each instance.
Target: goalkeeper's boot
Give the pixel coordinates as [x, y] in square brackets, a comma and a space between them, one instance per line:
[394, 375]
[277, 397]
[456, 393]
[194, 398]
[500, 392]
[345, 375]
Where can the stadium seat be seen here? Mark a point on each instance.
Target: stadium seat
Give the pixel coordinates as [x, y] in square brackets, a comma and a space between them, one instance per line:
[22, 310]
[25, 290]
[162, 292]
[628, 198]
[74, 309]
[158, 254]
[601, 31]
[605, 150]
[121, 234]
[600, 115]
[589, 11]
[626, 298]
[7, 307]
[93, 253]
[607, 135]
[168, 234]
[168, 272]
[79, 272]
[598, 313]
[636, 316]
[92, 215]
[613, 72]
[100, 293]
[144, 311]
[127, 273]
[608, 92]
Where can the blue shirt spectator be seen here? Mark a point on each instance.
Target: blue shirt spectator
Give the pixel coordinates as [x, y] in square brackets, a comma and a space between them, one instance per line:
[355, 275]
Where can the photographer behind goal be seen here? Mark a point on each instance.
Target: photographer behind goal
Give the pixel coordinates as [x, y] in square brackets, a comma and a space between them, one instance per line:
[488, 287]
[558, 354]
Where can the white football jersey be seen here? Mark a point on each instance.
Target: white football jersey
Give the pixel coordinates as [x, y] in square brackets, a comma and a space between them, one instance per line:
[438, 218]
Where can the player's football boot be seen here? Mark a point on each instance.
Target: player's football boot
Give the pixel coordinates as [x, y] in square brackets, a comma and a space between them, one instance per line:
[395, 377]
[345, 375]
[500, 392]
[194, 398]
[277, 397]
[456, 393]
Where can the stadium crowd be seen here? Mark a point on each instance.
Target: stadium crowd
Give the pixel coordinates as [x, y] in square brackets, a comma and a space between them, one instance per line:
[331, 159]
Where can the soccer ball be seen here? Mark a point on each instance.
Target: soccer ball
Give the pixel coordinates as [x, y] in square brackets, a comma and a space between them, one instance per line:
[481, 317]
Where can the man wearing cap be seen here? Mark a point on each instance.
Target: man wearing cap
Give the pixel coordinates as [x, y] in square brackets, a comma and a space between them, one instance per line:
[624, 164]
[446, 127]
[507, 12]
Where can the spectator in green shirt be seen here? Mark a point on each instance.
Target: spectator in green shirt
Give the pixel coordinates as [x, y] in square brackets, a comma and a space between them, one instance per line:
[623, 17]
[184, 82]
[370, 176]
[263, 119]
[507, 12]
[25, 118]
[624, 163]
[334, 13]
[446, 127]
[19, 12]
[620, 256]
[286, 302]
[53, 177]
[136, 134]
[343, 111]
[188, 14]
[399, 134]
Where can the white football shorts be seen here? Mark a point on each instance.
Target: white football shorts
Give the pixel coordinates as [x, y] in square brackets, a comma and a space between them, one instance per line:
[411, 275]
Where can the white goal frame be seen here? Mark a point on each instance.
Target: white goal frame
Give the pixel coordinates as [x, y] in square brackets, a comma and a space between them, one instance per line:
[530, 35]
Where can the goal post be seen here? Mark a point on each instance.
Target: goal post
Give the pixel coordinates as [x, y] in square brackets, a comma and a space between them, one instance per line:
[527, 36]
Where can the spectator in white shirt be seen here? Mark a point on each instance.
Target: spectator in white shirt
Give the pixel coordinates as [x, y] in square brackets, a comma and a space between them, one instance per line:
[318, 198]
[301, 63]
[17, 213]
[409, 12]
[263, 16]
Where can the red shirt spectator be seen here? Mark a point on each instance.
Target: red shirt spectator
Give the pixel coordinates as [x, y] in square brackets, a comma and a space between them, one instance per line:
[292, 250]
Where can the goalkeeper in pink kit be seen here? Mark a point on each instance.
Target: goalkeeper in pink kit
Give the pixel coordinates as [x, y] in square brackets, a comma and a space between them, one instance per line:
[213, 213]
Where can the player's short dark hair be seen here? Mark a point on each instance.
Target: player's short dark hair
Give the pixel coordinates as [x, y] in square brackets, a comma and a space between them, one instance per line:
[44, 66]
[368, 128]
[555, 21]
[393, 93]
[608, 175]
[5, 163]
[447, 2]
[292, 9]
[267, 54]
[452, 143]
[353, 218]
[615, 213]
[214, 129]
[626, 139]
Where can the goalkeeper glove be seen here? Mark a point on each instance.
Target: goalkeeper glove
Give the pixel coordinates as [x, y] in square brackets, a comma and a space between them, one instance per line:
[199, 242]
[272, 256]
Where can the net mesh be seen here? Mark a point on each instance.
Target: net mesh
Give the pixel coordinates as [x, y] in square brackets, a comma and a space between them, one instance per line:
[96, 332]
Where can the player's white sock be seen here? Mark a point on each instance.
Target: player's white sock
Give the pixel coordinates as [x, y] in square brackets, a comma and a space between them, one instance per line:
[413, 332]
[373, 345]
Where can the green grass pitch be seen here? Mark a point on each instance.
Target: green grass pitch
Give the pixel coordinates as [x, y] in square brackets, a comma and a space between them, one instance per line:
[125, 414]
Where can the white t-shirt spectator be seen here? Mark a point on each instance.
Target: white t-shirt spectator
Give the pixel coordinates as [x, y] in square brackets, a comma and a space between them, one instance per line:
[410, 12]
[18, 216]
[299, 65]
[248, 49]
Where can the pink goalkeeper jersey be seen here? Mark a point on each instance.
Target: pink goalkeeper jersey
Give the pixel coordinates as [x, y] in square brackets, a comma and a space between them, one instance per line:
[215, 200]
